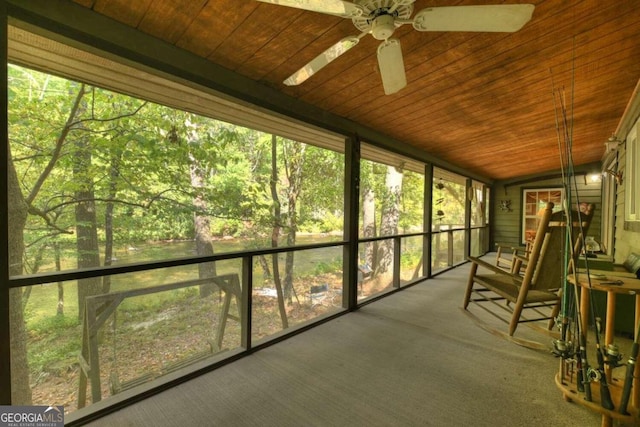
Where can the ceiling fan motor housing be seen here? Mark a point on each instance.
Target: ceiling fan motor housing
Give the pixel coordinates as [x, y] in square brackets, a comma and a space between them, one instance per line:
[382, 27]
[376, 14]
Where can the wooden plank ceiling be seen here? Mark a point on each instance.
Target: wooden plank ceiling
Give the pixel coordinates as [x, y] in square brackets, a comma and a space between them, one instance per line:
[482, 101]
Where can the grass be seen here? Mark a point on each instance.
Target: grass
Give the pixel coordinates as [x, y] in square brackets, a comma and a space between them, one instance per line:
[55, 340]
[54, 344]
[164, 325]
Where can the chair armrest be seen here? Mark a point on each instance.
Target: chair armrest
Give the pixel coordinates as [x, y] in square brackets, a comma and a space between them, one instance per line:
[494, 269]
[521, 257]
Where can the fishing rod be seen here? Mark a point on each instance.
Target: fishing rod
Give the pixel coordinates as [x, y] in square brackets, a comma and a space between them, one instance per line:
[629, 377]
[582, 378]
[585, 373]
[599, 374]
[565, 300]
[568, 178]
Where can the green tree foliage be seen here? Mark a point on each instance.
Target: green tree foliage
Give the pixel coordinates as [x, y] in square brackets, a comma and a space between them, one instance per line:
[412, 200]
[391, 203]
[322, 200]
[449, 201]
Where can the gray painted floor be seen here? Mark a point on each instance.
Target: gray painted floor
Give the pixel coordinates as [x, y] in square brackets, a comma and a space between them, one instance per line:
[411, 359]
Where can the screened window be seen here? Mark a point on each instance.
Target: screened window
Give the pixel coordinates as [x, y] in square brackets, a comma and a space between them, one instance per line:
[448, 219]
[478, 204]
[391, 204]
[449, 200]
[103, 178]
[479, 232]
[146, 213]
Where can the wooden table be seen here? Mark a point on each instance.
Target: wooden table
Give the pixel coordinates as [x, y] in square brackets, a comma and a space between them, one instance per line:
[629, 286]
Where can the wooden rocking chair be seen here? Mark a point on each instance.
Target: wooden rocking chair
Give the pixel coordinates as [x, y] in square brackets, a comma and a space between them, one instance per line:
[533, 285]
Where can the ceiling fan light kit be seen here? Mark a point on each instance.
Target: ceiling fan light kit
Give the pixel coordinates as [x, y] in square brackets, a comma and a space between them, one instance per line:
[380, 18]
[382, 27]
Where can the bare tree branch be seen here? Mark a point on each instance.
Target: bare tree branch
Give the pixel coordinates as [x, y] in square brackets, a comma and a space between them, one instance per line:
[45, 237]
[58, 148]
[122, 116]
[37, 212]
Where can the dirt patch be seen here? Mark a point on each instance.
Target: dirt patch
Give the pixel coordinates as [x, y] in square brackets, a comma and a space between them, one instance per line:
[148, 345]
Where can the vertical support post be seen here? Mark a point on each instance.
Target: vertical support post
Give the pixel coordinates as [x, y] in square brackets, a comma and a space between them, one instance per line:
[397, 257]
[449, 248]
[84, 367]
[427, 220]
[467, 218]
[5, 329]
[84, 358]
[246, 311]
[635, 388]
[92, 346]
[351, 212]
[486, 219]
[492, 200]
[230, 285]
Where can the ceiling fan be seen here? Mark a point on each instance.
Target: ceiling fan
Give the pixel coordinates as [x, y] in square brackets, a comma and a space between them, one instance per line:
[380, 18]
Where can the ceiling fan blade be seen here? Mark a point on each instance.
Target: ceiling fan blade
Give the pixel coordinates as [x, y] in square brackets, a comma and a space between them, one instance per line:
[491, 18]
[391, 66]
[323, 59]
[345, 9]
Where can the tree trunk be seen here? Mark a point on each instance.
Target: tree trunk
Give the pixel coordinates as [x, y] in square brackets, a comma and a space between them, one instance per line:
[114, 173]
[201, 221]
[60, 308]
[204, 247]
[86, 220]
[390, 218]
[266, 270]
[369, 226]
[18, 211]
[35, 266]
[294, 163]
[288, 269]
[275, 231]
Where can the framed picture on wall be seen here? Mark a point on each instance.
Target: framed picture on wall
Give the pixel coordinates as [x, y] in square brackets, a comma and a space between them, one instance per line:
[534, 201]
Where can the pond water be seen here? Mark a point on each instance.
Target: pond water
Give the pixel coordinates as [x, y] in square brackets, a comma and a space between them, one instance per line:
[305, 260]
[158, 251]
[177, 249]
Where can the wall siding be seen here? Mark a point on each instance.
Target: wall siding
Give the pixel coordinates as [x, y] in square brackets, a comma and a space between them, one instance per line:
[506, 225]
[626, 239]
